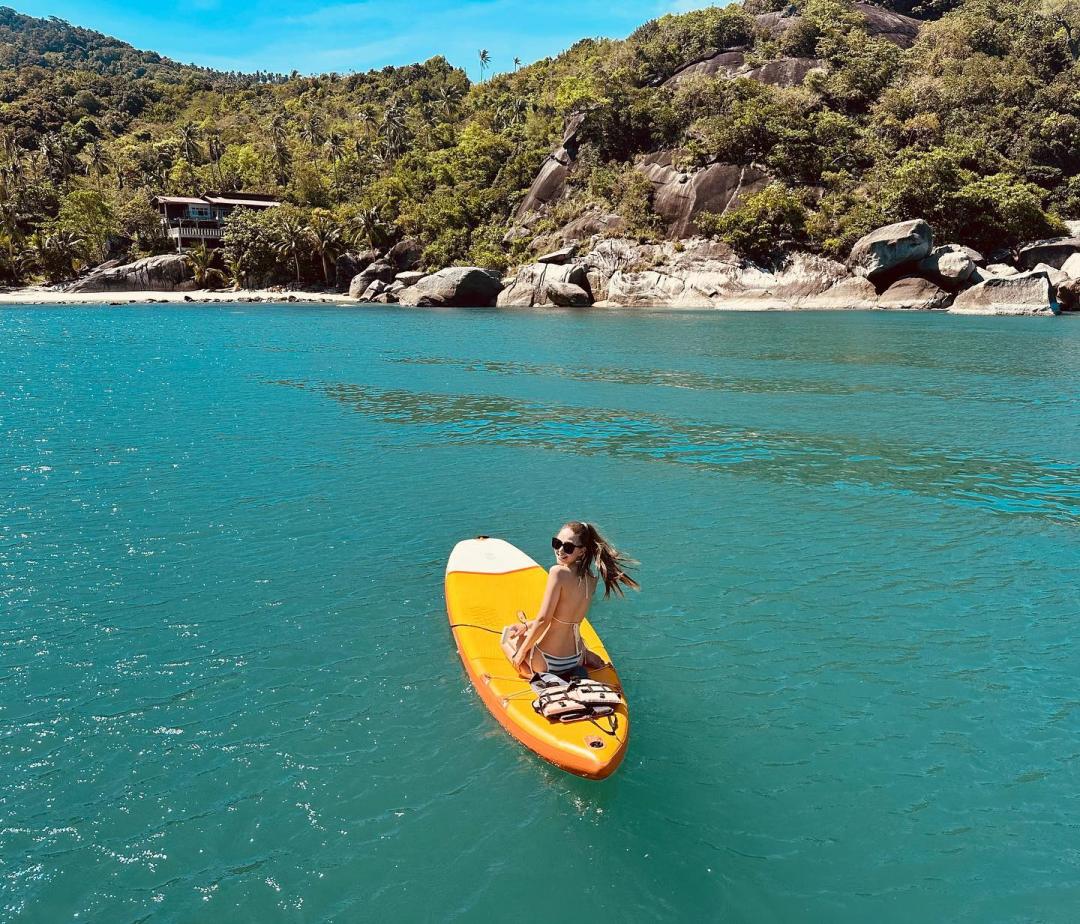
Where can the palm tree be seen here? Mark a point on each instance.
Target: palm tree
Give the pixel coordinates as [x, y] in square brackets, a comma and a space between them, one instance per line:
[97, 161]
[327, 239]
[200, 261]
[335, 145]
[485, 62]
[291, 239]
[236, 270]
[517, 63]
[189, 143]
[215, 148]
[393, 129]
[312, 130]
[279, 143]
[372, 230]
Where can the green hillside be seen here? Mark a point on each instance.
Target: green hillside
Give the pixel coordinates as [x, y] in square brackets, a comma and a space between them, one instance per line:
[970, 120]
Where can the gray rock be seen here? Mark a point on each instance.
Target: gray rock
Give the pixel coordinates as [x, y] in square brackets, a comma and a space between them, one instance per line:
[780, 72]
[348, 265]
[1025, 293]
[1001, 269]
[679, 196]
[1068, 295]
[562, 255]
[1053, 251]
[167, 273]
[533, 285]
[550, 182]
[379, 270]
[887, 249]
[456, 286]
[855, 292]
[567, 295]
[409, 277]
[950, 266]
[1071, 267]
[374, 290]
[1056, 276]
[913, 292]
[878, 23]
[405, 255]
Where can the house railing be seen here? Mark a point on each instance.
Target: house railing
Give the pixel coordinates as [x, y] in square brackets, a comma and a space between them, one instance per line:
[177, 228]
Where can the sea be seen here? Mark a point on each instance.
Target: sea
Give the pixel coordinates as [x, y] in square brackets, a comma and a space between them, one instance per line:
[228, 690]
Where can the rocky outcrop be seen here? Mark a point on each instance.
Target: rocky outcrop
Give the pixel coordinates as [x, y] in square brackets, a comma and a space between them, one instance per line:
[551, 180]
[1054, 252]
[560, 256]
[1025, 293]
[780, 72]
[886, 250]
[950, 266]
[1068, 295]
[547, 284]
[167, 273]
[679, 196]
[703, 274]
[879, 23]
[457, 286]
[409, 277]
[379, 270]
[913, 292]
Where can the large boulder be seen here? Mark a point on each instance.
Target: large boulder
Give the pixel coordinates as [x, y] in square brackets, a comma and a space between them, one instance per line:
[913, 292]
[379, 270]
[950, 266]
[779, 72]
[409, 277]
[457, 286]
[567, 295]
[167, 273]
[878, 22]
[679, 196]
[405, 255]
[1068, 295]
[1025, 293]
[1054, 251]
[539, 284]
[563, 255]
[1071, 267]
[887, 249]
[348, 265]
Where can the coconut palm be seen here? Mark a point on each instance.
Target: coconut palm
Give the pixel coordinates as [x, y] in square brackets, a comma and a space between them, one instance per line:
[327, 239]
[311, 130]
[517, 63]
[97, 161]
[188, 141]
[236, 270]
[291, 239]
[393, 129]
[485, 62]
[200, 261]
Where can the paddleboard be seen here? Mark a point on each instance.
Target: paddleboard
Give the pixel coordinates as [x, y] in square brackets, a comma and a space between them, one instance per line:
[487, 582]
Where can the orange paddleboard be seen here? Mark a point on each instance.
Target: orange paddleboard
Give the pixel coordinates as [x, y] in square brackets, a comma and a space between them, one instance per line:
[487, 582]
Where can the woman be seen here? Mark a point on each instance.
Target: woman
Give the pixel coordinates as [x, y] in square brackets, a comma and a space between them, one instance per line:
[552, 642]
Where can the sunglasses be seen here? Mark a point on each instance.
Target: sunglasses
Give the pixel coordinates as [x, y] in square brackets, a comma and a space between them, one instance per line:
[567, 547]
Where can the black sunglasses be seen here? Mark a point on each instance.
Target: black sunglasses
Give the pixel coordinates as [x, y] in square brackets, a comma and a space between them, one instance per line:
[567, 547]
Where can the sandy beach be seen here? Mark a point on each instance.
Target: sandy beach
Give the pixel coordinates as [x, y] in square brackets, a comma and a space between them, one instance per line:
[44, 295]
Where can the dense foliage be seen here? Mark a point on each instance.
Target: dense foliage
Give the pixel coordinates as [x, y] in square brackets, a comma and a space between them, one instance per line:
[976, 128]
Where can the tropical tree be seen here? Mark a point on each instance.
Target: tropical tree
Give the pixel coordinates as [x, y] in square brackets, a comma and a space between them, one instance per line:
[291, 238]
[188, 142]
[485, 62]
[327, 239]
[517, 63]
[200, 260]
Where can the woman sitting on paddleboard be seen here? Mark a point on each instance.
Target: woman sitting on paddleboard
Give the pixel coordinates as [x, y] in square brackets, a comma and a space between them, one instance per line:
[552, 642]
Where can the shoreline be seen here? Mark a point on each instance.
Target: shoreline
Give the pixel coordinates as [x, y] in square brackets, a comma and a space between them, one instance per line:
[43, 295]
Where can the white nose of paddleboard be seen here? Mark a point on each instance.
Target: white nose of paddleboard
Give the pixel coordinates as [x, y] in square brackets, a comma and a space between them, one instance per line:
[487, 556]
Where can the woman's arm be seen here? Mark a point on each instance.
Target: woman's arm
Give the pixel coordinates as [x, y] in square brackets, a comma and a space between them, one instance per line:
[539, 626]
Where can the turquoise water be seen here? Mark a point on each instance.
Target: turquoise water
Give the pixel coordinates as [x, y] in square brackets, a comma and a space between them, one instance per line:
[230, 693]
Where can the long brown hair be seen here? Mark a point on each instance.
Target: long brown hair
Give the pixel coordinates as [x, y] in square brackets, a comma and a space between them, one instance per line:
[609, 562]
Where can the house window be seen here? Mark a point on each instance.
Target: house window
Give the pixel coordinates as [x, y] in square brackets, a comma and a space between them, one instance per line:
[201, 212]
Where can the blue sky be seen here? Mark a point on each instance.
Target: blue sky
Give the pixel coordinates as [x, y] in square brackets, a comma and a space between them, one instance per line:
[314, 37]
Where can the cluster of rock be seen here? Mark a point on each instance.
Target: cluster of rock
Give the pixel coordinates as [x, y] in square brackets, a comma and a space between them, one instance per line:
[895, 267]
